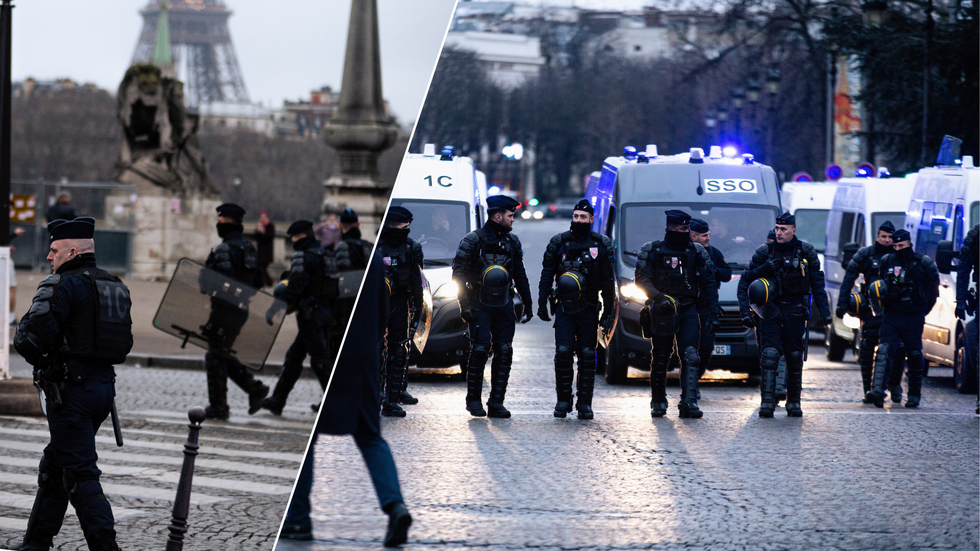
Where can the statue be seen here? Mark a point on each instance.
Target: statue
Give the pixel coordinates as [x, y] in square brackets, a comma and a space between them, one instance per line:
[160, 145]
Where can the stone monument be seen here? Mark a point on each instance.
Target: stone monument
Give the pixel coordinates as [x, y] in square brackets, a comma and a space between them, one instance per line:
[360, 128]
[175, 203]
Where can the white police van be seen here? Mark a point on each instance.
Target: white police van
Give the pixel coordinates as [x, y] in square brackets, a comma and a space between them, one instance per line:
[447, 198]
[861, 206]
[739, 199]
[945, 204]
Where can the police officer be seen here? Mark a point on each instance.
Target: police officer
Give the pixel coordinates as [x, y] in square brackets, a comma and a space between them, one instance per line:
[488, 263]
[580, 263]
[237, 259]
[310, 287]
[78, 327]
[701, 234]
[867, 262]
[402, 259]
[676, 274]
[358, 249]
[912, 282]
[966, 301]
[793, 269]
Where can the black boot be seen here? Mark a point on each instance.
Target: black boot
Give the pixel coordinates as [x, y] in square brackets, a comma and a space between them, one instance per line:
[503, 356]
[769, 363]
[916, 368]
[781, 380]
[895, 379]
[586, 382]
[866, 359]
[397, 368]
[256, 397]
[399, 522]
[794, 384]
[404, 397]
[474, 380]
[50, 504]
[217, 376]
[880, 375]
[658, 378]
[563, 381]
[689, 382]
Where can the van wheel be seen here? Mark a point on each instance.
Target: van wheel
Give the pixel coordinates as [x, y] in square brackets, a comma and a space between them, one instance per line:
[616, 370]
[964, 371]
[834, 346]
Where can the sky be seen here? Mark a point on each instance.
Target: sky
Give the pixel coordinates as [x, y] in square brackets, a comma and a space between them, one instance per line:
[286, 48]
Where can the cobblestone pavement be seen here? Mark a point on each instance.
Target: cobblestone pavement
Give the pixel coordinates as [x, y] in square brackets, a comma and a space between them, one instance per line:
[845, 476]
[243, 476]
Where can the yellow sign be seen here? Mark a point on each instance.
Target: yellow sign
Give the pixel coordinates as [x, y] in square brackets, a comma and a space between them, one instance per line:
[22, 208]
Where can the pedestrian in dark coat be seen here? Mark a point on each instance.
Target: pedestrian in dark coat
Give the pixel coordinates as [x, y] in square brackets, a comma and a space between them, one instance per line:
[352, 407]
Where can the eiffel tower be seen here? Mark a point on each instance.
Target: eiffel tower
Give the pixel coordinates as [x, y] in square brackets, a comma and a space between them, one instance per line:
[203, 55]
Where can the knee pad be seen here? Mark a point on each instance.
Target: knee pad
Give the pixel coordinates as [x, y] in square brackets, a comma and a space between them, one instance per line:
[586, 354]
[480, 352]
[769, 359]
[794, 359]
[914, 358]
[506, 352]
[563, 354]
[881, 353]
[690, 356]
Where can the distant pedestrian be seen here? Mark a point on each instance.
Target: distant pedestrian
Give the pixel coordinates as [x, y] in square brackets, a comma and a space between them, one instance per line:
[328, 233]
[351, 407]
[264, 235]
[61, 209]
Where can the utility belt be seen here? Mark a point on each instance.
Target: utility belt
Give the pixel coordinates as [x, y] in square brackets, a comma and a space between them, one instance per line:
[53, 376]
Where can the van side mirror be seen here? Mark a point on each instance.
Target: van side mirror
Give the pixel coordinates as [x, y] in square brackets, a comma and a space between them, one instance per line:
[848, 252]
[945, 256]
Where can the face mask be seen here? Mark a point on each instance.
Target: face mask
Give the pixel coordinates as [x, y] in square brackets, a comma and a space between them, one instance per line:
[395, 236]
[224, 228]
[301, 243]
[677, 239]
[904, 254]
[581, 229]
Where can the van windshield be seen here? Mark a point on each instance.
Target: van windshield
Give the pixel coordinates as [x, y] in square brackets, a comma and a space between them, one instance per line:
[736, 230]
[811, 226]
[438, 226]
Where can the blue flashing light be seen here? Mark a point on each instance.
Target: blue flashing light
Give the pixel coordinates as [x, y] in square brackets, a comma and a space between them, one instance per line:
[447, 153]
[642, 158]
[834, 172]
[493, 190]
[629, 153]
[748, 159]
[883, 172]
[730, 151]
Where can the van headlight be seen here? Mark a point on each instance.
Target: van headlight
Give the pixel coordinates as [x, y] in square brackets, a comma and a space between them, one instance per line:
[633, 293]
[447, 290]
[526, 215]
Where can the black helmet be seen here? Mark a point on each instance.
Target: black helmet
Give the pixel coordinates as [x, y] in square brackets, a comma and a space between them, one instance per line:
[877, 293]
[569, 290]
[663, 316]
[762, 298]
[856, 304]
[495, 290]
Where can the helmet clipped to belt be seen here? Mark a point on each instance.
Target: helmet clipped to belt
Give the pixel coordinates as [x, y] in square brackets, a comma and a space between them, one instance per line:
[877, 292]
[762, 298]
[663, 316]
[857, 304]
[569, 290]
[495, 288]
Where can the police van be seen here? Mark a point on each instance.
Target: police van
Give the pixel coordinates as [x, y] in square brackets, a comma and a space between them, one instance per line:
[739, 199]
[861, 206]
[447, 198]
[945, 204]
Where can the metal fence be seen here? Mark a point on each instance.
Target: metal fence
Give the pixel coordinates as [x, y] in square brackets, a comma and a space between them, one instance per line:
[111, 205]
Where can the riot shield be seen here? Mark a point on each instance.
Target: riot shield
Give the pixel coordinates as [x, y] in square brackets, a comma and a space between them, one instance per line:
[425, 321]
[223, 316]
[605, 337]
[349, 283]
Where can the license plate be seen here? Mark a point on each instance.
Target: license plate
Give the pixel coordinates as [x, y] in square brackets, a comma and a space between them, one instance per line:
[722, 350]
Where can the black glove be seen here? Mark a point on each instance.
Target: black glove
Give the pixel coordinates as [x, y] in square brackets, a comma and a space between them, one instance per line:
[769, 267]
[543, 311]
[747, 321]
[527, 315]
[715, 324]
[606, 322]
[840, 312]
[960, 312]
[468, 315]
[827, 321]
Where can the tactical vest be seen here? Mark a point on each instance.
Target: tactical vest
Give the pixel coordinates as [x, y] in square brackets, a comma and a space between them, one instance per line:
[871, 273]
[673, 271]
[324, 285]
[494, 252]
[902, 281]
[398, 263]
[793, 277]
[109, 336]
[581, 257]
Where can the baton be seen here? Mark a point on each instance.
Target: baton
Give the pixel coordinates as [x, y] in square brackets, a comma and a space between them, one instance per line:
[116, 430]
[806, 328]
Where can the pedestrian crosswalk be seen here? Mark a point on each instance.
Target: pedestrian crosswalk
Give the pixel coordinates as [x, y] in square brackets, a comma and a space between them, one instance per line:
[237, 460]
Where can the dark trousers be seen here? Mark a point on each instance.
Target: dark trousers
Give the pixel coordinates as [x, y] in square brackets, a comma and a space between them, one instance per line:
[688, 336]
[70, 459]
[786, 332]
[396, 347]
[494, 325]
[706, 346]
[311, 339]
[578, 330]
[381, 466]
[898, 330]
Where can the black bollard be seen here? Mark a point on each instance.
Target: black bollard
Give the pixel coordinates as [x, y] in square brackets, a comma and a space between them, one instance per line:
[178, 525]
